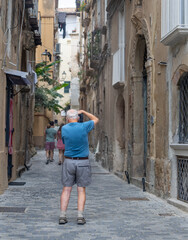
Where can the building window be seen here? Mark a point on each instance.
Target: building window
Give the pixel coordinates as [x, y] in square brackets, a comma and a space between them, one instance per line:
[119, 55]
[98, 12]
[174, 23]
[105, 12]
[66, 89]
[183, 108]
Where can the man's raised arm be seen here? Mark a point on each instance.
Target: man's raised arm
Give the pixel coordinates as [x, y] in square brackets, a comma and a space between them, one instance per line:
[90, 116]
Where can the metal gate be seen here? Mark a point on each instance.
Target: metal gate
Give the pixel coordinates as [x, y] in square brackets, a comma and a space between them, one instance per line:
[9, 89]
[145, 110]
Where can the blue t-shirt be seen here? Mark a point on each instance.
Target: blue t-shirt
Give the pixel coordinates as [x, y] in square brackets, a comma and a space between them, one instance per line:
[75, 138]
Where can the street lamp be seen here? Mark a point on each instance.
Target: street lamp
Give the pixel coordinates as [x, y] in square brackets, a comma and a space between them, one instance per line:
[64, 75]
[47, 54]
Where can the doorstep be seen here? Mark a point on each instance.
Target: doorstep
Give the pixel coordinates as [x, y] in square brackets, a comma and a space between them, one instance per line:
[179, 204]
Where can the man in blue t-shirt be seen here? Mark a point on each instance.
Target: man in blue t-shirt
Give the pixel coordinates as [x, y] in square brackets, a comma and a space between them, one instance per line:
[76, 168]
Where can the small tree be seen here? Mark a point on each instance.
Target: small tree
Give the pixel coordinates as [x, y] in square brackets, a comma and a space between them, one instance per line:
[46, 94]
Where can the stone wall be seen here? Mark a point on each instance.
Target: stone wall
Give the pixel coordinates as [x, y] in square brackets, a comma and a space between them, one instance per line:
[15, 54]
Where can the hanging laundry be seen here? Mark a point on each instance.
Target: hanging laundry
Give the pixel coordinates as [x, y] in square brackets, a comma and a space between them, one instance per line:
[62, 22]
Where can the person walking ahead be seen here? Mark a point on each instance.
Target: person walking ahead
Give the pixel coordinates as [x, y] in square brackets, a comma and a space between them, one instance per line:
[76, 168]
[50, 134]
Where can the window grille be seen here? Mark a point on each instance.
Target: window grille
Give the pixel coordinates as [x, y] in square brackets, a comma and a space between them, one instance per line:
[183, 109]
[182, 178]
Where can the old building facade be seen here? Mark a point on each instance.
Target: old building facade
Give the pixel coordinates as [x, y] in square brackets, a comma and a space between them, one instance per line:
[49, 23]
[130, 80]
[68, 43]
[174, 35]
[20, 34]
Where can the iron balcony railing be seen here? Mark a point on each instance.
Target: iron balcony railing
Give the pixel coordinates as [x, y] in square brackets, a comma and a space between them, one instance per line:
[33, 15]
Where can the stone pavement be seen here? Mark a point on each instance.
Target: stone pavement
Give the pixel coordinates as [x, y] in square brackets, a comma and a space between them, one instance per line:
[107, 216]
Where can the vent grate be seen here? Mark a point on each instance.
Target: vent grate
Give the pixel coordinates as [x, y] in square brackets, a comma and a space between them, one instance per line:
[16, 183]
[166, 214]
[12, 209]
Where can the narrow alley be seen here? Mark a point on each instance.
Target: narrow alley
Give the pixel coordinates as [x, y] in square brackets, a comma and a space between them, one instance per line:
[114, 209]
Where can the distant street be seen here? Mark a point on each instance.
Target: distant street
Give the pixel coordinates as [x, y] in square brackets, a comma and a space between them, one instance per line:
[107, 216]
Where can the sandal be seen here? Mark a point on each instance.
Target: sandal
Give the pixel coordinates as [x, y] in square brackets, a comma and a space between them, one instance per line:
[81, 220]
[62, 220]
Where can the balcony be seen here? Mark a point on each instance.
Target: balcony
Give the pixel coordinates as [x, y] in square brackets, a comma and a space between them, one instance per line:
[176, 35]
[174, 22]
[37, 33]
[57, 50]
[86, 22]
[94, 49]
[29, 3]
[33, 16]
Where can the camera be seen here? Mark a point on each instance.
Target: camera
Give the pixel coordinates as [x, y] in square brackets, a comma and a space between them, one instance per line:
[81, 118]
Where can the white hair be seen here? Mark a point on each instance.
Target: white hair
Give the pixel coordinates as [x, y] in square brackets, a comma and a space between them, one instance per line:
[72, 114]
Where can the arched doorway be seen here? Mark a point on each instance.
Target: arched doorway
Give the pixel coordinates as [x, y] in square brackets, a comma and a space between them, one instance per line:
[140, 112]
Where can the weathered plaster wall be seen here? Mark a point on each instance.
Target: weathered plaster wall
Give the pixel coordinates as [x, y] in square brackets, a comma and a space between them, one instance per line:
[15, 54]
[47, 10]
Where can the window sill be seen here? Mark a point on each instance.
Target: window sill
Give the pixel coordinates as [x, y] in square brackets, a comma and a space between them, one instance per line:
[118, 84]
[177, 35]
[180, 149]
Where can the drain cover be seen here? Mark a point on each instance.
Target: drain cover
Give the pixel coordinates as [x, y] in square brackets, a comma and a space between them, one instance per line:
[134, 199]
[16, 183]
[166, 214]
[12, 209]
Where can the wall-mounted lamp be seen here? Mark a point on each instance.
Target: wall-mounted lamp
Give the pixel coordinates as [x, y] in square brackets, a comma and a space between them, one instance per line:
[46, 54]
[162, 63]
[64, 75]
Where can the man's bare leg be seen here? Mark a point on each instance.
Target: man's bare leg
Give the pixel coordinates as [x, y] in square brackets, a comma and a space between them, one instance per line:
[81, 204]
[65, 196]
[81, 198]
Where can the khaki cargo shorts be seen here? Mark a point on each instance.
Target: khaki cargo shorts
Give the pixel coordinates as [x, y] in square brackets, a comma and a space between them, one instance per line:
[76, 172]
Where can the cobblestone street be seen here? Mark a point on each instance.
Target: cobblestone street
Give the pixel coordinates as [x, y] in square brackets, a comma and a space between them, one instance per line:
[107, 216]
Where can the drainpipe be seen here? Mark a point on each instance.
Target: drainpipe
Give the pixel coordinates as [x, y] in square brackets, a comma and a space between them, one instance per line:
[19, 43]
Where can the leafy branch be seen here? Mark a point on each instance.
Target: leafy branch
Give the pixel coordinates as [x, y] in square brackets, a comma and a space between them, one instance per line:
[46, 95]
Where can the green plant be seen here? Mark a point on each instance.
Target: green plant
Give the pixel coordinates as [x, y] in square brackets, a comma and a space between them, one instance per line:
[82, 5]
[46, 95]
[96, 45]
[67, 106]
